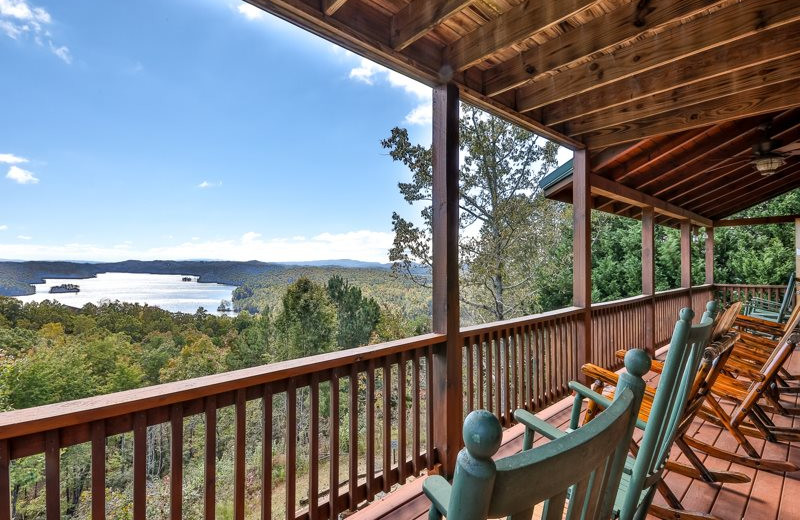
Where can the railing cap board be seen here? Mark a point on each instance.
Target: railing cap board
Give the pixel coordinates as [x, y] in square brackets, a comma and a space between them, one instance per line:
[70, 413]
[622, 302]
[519, 322]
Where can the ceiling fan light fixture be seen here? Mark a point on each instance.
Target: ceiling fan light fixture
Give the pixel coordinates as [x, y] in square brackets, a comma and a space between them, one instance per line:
[768, 164]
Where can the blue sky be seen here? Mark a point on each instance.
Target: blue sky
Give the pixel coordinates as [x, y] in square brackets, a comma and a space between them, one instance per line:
[192, 129]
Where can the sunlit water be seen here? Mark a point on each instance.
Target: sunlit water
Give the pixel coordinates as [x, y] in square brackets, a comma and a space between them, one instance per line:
[166, 291]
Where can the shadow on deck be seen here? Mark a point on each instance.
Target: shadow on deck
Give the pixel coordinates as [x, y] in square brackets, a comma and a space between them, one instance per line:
[767, 496]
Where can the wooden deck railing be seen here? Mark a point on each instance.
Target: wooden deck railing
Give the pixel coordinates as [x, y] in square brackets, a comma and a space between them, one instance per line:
[738, 292]
[389, 383]
[373, 428]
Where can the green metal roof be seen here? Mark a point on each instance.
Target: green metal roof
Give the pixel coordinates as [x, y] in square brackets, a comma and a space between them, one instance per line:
[556, 176]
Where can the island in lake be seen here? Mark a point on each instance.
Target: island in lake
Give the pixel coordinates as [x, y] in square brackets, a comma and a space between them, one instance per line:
[65, 288]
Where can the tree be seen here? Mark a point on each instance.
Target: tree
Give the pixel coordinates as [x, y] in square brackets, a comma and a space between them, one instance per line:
[357, 316]
[306, 324]
[507, 229]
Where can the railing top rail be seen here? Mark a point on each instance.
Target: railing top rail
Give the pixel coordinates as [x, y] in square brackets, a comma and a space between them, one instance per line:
[70, 413]
[750, 286]
[521, 321]
[672, 292]
[619, 303]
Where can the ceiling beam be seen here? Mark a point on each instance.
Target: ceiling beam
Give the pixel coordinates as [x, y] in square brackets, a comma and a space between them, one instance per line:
[664, 147]
[614, 190]
[752, 102]
[420, 16]
[741, 81]
[716, 29]
[600, 34]
[511, 27]
[749, 52]
[756, 221]
[330, 7]
[697, 168]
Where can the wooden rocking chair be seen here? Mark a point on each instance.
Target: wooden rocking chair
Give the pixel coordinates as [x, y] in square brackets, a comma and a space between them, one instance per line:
[573, 477]
[643, 471]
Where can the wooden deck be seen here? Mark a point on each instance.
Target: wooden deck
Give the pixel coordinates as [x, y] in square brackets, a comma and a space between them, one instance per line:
[768, 496]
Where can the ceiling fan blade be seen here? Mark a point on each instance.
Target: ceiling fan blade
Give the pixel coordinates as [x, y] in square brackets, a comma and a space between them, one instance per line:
[792, 148]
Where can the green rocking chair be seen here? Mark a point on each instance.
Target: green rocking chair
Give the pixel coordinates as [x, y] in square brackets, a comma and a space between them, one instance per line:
[643, 471]
[572, 477]
[771, 310]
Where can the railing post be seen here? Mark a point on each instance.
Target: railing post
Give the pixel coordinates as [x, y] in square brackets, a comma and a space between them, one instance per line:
[446, 392]
[686, 259]
[797, 255]
[649, 278]
[582, 255]
[710, 255]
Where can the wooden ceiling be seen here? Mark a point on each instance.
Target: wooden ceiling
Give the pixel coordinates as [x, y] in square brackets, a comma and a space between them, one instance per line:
[595, 73]
[704, 172]
[627, 79]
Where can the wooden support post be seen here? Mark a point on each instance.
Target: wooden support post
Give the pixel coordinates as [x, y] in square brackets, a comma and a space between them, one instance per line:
[649, 278]
[446, 391]
[582, 255]
[686, 259]
[797, 253]
[710, 255]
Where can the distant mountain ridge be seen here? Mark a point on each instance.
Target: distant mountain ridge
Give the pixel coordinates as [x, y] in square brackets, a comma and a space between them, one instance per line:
[16, 277]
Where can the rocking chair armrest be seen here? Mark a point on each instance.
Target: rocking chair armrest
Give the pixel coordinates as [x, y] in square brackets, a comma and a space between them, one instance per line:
[438, 490]
[600, 400]
[537, 425]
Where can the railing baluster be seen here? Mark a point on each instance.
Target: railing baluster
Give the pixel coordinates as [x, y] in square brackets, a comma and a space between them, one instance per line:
[480, 372]
[139, 466]
[370, 440]
[415, 413]
[470, 374]
[210, 478]
[291, 448]
[498, 365]
[429, 406]
[352, 476]
[98, 470]
[239, 456]
[5, 481]
[387, 424]
[313, 452]
[401, 414]
[333, 448]
[266, 452]
[502, 343]
[176, 462]
[52, 468]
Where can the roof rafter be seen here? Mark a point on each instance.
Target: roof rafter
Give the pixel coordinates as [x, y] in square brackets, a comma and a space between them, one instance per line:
[722, 27]
[511, 27]
[753, 102]
[623, 24]
[757, 77]
[759, 49]
[420, 16]
[331, 6]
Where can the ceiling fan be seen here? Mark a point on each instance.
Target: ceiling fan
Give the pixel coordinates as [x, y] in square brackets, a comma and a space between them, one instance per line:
[767, 157]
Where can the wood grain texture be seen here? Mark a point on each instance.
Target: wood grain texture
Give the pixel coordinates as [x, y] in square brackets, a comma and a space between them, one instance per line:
[52, 471]
[582, 254]
[98, 470]
[210, 460]
[753, 102]
[724, 27]
[176, 463]
[419, 17]
[719, 62]
[509, 28]
[5, 481]
[139, 466]
[626, 23]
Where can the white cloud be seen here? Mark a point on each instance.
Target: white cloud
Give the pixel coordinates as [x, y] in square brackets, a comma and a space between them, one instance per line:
[62, 52]
[10, 158]
[3, 227]
[19, 19]
[207, 184]
[18, 175]
[24, 237]
[359, 245]
[250, 12]
[370, 73]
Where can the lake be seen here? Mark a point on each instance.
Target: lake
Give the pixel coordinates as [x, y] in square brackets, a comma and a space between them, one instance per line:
[166, 291]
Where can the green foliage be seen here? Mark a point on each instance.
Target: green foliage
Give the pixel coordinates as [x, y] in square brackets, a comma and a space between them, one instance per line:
[307, 322]
[357, 316]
